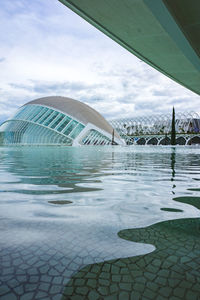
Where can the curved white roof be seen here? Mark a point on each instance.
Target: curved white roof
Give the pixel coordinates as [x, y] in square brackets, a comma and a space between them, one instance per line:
[76, 109]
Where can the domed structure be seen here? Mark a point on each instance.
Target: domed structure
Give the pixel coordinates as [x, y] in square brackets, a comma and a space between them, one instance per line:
[57, 121]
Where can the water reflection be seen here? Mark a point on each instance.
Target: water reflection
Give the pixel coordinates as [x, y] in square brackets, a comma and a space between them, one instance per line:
[44, 243]
[173, 161]
[171, 271]
[57, 168]
[171, 209]
[60, 202]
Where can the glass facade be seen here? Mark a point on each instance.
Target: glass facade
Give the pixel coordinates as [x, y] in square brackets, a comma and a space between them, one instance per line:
[94, 137]
[37, 124]
[42, 125]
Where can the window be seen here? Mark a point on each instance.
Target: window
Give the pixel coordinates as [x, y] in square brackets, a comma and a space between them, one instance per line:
[70, 127]
[64, 123]
[44, 117]
[39, 114]
[36, 112]
[61, 116]
[17, 116]
[22, 113]
[32, 112]
[53, 116]
[76, 131]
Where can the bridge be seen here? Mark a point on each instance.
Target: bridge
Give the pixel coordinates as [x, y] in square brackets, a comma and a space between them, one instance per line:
[162, 33]
[161, 139]
[156, 129]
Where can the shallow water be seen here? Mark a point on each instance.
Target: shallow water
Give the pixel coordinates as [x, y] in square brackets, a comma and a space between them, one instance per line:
[62, 207]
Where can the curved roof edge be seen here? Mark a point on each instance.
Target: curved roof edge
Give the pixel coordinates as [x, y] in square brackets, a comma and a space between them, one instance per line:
[79, 110]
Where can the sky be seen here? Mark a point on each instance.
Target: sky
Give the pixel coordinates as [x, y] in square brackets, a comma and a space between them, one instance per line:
[47, 50]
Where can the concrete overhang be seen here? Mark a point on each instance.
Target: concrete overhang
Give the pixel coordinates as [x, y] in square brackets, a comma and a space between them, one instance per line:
[163, 33]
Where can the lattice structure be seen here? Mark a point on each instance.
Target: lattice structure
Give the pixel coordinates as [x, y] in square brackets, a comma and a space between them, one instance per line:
[152, 129]
[157, 124]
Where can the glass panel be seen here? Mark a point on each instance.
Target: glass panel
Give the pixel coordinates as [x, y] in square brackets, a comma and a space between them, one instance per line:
[41, 112]
[70, 127]
[66, 121]
[29, 112]
[86, 137]
[33, 112]
[22, 113]
[4, 126]
[76, 131]
[44, 117]
[54, 115]
[26, 112]
[96, 138]
[57, 121]
[17, 116]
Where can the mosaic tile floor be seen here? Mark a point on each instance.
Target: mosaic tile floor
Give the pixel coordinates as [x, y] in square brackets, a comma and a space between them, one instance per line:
[64, 224]
[33, 268]
[172, 271]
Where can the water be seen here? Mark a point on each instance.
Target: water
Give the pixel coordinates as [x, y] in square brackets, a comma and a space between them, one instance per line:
[61, 208]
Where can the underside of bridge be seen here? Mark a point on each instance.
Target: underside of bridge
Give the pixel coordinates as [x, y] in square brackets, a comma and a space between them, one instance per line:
[163, 33]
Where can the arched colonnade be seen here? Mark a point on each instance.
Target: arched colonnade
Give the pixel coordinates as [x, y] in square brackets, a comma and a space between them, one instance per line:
[163, 140]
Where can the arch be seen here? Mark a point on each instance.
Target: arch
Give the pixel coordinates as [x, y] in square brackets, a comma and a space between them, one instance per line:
[141, 141]
[165, 141]
[130, 141]
[152, 141]
[181, 140]
[194, 140]
[160, 125]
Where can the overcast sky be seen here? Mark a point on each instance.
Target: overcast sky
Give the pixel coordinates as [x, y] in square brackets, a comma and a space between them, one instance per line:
[46, 49]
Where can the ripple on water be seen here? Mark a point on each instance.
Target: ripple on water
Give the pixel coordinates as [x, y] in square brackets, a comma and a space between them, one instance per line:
[170, 209]
[60, 202]
[45, 242]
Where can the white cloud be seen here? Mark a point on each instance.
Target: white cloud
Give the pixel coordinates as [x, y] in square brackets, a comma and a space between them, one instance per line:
[48, 50]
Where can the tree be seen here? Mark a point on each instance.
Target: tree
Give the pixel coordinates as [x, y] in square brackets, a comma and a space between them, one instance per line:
[173, 131]
[113, 138]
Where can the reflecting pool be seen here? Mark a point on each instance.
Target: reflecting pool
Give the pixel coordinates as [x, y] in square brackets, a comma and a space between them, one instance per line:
[99, 222]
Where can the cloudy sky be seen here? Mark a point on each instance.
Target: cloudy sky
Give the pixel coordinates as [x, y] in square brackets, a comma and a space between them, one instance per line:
[46, 49]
